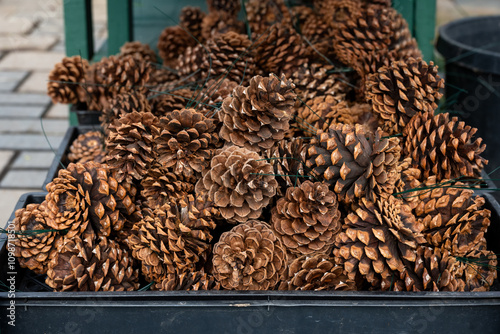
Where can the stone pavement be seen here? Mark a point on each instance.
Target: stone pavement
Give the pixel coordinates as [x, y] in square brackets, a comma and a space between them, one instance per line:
[31, 42]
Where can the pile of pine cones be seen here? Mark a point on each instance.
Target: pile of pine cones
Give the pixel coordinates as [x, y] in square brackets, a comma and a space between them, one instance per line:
[300, 151]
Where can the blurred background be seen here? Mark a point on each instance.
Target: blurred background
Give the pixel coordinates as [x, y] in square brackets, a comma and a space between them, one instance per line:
[31, 41]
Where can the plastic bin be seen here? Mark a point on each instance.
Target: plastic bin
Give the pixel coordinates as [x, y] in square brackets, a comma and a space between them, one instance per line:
[471, 48]
[39, 311]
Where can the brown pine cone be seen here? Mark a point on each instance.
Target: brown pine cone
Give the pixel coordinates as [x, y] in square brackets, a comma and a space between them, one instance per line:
[377, 28]
[289, 169]
[239, 182]
[229, 56]
[186, 142]
[453, 220]
[324, 111]
[315, 79]
[376, 239]
[164, 102]
[33, 247]
[443, 147]
[354, 163]
[161, 79]
[124, 74]
[172, 43]
[66, 79]
[190, 19]
[217, 23]
[139, 51]
[479, 268]
[249, 257]
[339, 11]
[190, 281]
[229, 6]
[159, 186]
[307, 219]
[300, 14]
[189, 61]
[92, 264]
[316, 272]
[173, 237]
[403, 89]
[317, 30]
[281, 50]
[94, 92]
[261, 15]
[122, 104]
[65, 205]
[130, 145]
[257, 116]
[433, 270]
[88, 193]
[87, 147]
[213, 95]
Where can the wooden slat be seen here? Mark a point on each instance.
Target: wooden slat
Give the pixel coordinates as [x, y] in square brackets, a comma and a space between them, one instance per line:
[120, 24]
[407, 9]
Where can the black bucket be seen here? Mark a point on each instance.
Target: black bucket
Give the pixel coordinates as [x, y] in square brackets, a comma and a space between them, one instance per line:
[471, 48]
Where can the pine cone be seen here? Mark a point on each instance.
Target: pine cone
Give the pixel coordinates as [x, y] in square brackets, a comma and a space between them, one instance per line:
[307, 218]
[34, 249]
[249, 257]
[229, 6]
[94, 92]
[317, 30]
[400, 91]
[315, 79]
[443, 147]
[190, 19]
[300, 14]
[189, 61]
[186, 142]
[66, 78]
[479, 268]
[162, 79]
[324, 111]
[123, 104]
[339, 11]
[124, 74]
[173, 237]
[131, 145]
[289, 169]
[281, 50]
[376, 240]
[453, 219]
[190, 281]
[214, 94]
[172, 43]
[92, 265]
[239, 182]
[87, 147]
[261, 15]
[377, 28]
[173, 99]
[217, 23]
[316, 272]
[229, 56]
[160, 186]
[257, 116]
[355, 164]
[433, 270]
[87, 191]
[139, 51]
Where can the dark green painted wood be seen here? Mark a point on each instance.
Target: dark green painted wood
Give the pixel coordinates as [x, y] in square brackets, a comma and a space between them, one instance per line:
[407, 9]
[78, 28]
[425, 25]
[120, 24]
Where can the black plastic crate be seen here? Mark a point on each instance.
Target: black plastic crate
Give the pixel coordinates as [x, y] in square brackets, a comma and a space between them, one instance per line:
[41, 311]
[84, 116]
[61, 158]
